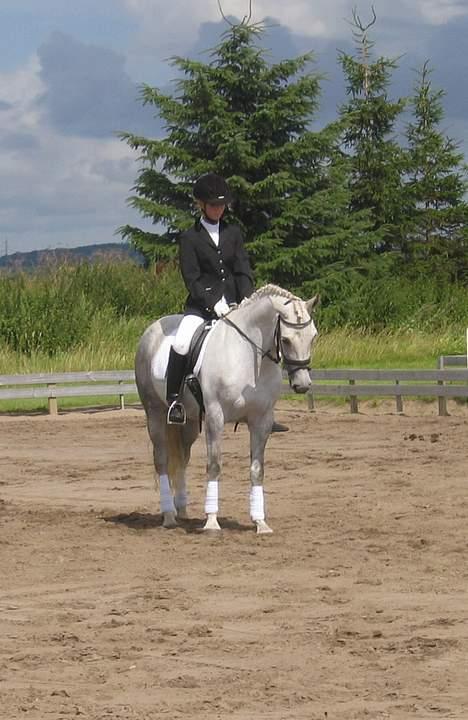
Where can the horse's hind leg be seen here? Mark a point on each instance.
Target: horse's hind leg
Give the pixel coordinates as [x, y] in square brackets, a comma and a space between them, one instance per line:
[156, 420]
[190, 432]
[171, 454]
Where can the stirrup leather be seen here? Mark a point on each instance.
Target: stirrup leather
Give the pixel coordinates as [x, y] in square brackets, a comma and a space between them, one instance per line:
[176, 414]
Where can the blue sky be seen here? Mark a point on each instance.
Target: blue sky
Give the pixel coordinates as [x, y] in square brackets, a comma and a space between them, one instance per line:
[69, 78]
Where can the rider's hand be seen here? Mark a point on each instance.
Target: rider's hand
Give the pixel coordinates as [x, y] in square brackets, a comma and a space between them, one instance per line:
[221, 308]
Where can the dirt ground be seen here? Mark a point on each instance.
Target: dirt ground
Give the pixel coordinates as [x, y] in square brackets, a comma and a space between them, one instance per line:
[355, 608]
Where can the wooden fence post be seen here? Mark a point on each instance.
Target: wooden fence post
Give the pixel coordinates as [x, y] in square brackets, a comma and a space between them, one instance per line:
[353, 401]
[52, 401]
[442, 401]
[399, 399]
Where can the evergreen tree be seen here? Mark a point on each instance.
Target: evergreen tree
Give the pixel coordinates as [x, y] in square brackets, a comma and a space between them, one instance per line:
[249, 120]
[437, 238]
[377, 161]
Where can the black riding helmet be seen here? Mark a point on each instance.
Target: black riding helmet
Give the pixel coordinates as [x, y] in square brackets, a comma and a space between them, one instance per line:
[212, 189]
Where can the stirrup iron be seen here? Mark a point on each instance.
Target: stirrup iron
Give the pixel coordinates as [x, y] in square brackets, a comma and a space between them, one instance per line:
[176, 414]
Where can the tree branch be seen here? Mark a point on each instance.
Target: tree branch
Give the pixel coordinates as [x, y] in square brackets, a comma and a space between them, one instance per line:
[223, 15]
[245, 20]
[358, 22]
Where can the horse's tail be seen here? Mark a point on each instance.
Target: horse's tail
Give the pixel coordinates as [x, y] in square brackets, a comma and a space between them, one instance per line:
[176, 458]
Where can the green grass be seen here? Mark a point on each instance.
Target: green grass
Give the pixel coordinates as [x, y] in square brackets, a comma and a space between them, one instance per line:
[112, 345]
[397, 349]
[39, 405]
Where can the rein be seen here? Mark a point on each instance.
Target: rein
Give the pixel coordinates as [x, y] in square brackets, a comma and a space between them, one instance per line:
[257, 347]
[292, 365]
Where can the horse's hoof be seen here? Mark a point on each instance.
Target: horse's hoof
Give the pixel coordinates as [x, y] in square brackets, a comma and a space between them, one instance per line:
[182, 513]
[212, 523]
[169, 520]
[279, 427]
[262, 527]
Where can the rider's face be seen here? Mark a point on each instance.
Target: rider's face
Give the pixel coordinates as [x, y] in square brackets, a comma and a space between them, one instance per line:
[214, 212]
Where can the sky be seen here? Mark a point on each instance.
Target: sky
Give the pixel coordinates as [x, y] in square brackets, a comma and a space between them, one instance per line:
[71, 73]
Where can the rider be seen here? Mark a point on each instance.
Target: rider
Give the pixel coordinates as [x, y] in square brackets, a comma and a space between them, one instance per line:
[216, 273]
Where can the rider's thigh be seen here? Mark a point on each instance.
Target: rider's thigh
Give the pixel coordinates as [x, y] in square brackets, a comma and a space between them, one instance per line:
[187, 327]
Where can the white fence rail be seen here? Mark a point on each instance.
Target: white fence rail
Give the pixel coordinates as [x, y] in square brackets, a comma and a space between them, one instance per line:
[353, 384]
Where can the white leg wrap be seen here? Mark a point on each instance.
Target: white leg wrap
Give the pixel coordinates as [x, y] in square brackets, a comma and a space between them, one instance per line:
[165, 494]
[211, 502]
[257, 504]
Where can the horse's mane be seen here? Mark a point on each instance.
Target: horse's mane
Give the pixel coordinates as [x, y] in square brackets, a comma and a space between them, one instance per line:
[268, 290]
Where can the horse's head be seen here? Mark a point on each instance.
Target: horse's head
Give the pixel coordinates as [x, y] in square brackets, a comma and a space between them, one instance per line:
[295, 335]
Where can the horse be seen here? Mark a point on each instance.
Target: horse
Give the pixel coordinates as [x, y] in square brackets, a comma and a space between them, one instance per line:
[240, 375]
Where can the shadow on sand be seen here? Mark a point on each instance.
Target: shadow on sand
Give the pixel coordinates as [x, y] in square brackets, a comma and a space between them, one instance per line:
[148, 521]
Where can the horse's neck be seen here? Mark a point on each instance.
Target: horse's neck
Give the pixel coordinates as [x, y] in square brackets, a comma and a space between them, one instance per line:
[259, 317]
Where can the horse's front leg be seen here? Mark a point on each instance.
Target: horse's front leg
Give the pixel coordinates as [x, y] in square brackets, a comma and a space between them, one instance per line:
[214, 424]
[259, 434]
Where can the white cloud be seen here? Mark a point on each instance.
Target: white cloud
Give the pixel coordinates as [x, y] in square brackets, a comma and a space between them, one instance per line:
[17, 89]
[56, 190]
[438, 12]
[170, 26]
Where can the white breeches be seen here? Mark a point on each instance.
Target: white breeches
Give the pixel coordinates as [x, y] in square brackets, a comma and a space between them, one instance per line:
[185, 333]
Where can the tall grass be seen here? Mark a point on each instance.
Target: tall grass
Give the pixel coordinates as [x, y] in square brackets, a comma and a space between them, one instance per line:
[90, 317]
[398, 303]
[66, 308]
[393, 348]
[111, 346]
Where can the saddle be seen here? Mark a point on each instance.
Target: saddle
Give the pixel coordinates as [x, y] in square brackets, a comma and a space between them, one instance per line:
[191, 380]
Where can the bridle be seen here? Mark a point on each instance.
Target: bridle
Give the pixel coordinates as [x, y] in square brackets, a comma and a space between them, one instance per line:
[292, 364]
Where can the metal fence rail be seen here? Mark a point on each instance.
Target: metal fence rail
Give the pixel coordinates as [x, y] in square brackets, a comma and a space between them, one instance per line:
[117, 383]
[396, 383]
[452, 361]
[442, 383]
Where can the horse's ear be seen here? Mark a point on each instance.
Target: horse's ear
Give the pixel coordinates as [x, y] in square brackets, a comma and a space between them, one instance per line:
[312, 304]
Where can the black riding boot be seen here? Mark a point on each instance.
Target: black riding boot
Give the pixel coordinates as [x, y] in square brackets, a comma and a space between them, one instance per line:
[175, 376]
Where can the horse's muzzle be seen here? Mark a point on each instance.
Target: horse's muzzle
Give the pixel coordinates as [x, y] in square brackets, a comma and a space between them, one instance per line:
[300, 380]
[300, 389]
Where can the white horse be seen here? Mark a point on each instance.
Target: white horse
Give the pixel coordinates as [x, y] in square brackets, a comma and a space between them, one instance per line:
[240, 377]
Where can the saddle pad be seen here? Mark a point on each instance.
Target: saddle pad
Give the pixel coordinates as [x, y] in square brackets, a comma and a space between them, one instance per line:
[160, 359]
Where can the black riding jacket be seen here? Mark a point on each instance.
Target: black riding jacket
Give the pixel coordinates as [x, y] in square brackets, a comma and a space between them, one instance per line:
[211, 271]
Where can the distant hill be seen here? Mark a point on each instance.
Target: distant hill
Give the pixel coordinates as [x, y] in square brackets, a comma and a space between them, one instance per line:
[92, 253]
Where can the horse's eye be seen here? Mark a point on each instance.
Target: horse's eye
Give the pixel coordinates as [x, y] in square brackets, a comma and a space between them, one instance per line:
[287, 341]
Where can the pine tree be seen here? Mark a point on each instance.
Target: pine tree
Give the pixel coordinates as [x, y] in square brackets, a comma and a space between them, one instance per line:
[249, 120]
[370, 117]
[437, 239]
